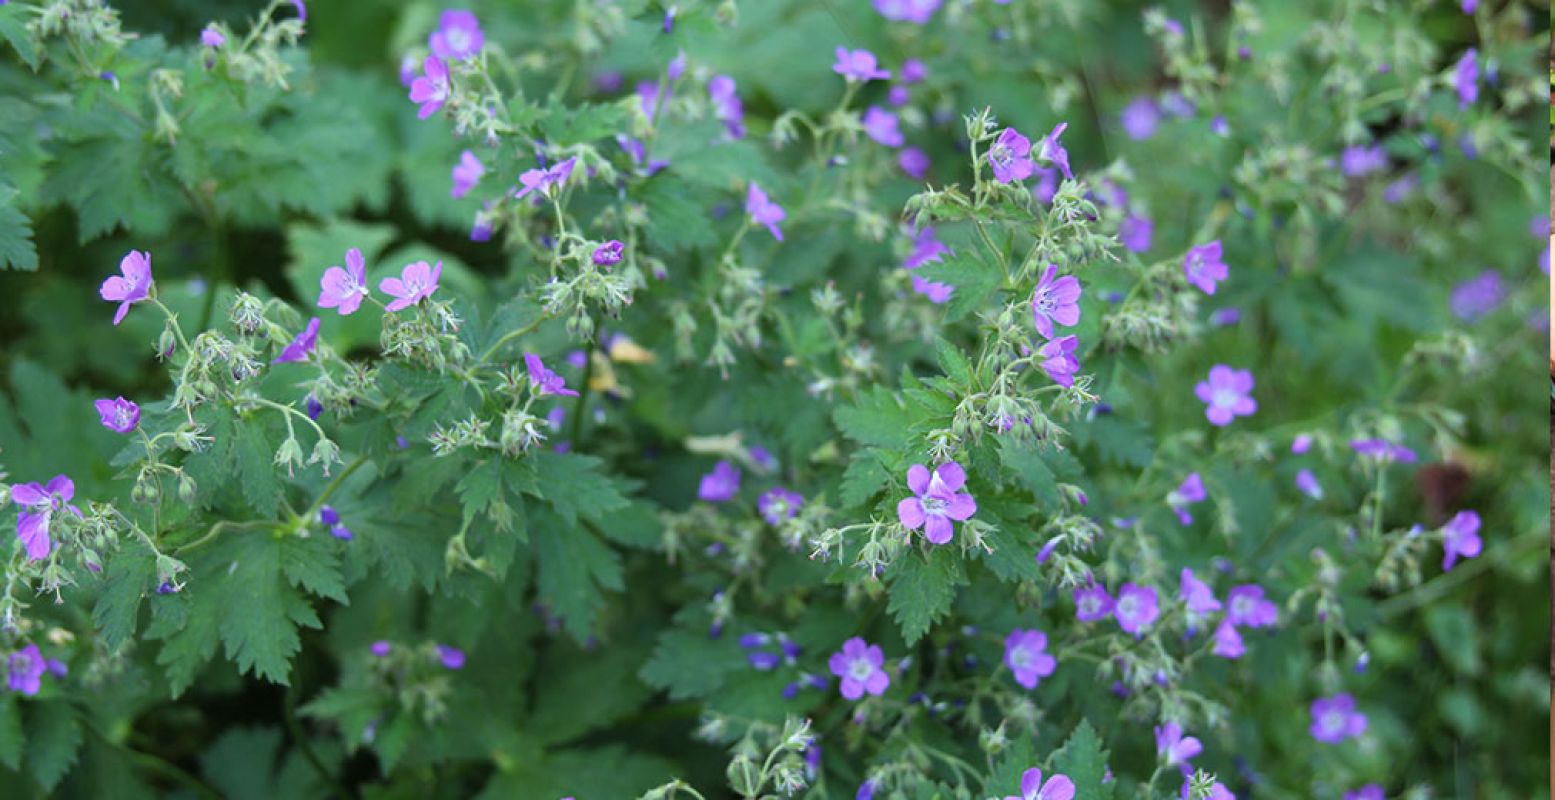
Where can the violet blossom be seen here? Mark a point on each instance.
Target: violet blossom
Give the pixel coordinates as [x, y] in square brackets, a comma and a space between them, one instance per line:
[131, 286]
[1136, 608]
[1460, 537]
[1335, 719]
[416, 282]
[858, 65]
[543, 379]
[40, 503]
[343, 288]
[1203, 266]
[1058, 360]
[938, 501]
[432, 89]
[1055, 300]
[763, 211]
[118, 415]
[778, 505]
[858, 665]
[1025, 653]
[1227, 394]
[458, 36]
[720, 485]
[303, 344]
[466, 174]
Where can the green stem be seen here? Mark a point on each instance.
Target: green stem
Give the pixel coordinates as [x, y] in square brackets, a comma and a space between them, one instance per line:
[318, 502]
[510, 336]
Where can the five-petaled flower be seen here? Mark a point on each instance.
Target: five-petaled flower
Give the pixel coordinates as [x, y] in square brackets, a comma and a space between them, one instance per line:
[1010, 157]
[858, 665]
[1055, 300]
[1335, 719]
[778, 504]
[342, 288]
[1190, 491]
[118, 415]
[917, 12]
[40, 504]
[1054, 153]
[858, 65]
[1226, 395]
[1172, 748]
[458, 36]
[1196, 594]
[1460, 537]
[882, 126]
[299, 347]
[1247, 606]
[609, 253]
[416, 282]
[432, 89]
[1383, 450]
[1136, 608]
[1025, 653]
[720, 485]
[763, 211]
[1228, 642]
[1058, 360]
[1092, 603]
[466, 174]
[545, 181]
[131, 286]
[1057, 787]
[24, 670]
[1204, 267]
[451, 657]
[543, 379]
[938, 501]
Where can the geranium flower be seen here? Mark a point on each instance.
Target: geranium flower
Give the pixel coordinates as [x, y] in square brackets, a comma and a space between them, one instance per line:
[938, 501]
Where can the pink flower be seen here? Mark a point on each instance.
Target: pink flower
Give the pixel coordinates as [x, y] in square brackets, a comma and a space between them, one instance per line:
[1055, 301]
[881, 125]
[299, 348]
[466, 174]
[134, 285]
[432, 89]
[858, 65]
[938, 501]
[858, 664]
[544, 380]
[763, 211]
[1460, 537]
[1227, 394]
[41, 502]
[118, 415]
[416, 282]
[1172, 748]
[1058, 787]
[1058, 360]
[544, 180]
[458, 36]
[1203, 266]
[343, 289]
[1025, 653]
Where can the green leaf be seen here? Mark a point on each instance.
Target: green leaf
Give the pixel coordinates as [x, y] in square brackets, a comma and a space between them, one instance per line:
[572, 703]
[975, 282]
[13, 28]
[922, 590]
[261, 609]
[53, 740]
[1456, 636]
[566, 125]
[879, 419]
[1085, 762]
[130, 572]
[480, 486]
[954, 363]
[691, 664]
[1024, 459]
[12, 740]
[255, 460]
[574, 486]
[16, 248]
[311, 564]
[190, 639]
[863, 478]
[572, 568]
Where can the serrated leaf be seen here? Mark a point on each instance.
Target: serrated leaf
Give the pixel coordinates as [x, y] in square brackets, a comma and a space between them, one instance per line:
[13, 28]
[922, 589]
[53, 740]
[480, 486]
[953, 362]
[688, 664]
[1024, 459]
[130, 572]
[17, 250]
[255, 460]
[312, 565]
[573, 568]
[261, 610]
[1085, 762]
[974, 280]
[575, 487]
[863, 478]
[879, 419]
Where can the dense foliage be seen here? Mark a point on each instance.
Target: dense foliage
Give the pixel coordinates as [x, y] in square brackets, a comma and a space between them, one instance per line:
[828, 398]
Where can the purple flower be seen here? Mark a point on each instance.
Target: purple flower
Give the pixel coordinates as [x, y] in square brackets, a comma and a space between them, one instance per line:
[1466, 78]
[763, 457]
[1307, 483]
[1383, 451]
[1092, 603]
[1203, 266]
[1136, 233]
[118, 415]
[1196, 594]
[466, 174]
[1136, 608]
[133, 286]
[1058, 787]
[380, 648]
[866, 790]
[328, 515]
[1226, 395]
[40, 502]
[299, 348]
[416, 283]
[779, 504]
[1335, 719]
[458, 36]
[1372, 791]
[432, 89]
[913, 71]
[1058, 360]
[1301, 444]
[858, 664]
[1362, 160]
[1047, 550]
[343, 289]
[609, 253]
[1140, 118]
[1190, 491]
[407, 70]
[914, 162]
[1177, 104]
[858, 65]
[1396, 191]
[24, 670]
[1010, 157]
[452, 657]
[1172, 748]
[938, 501]
[544, 380]
[545, 180]
[1054, 153]
[1220, 127]
[881, 125]
[1247, 606]
[212, 37]
[1055, 300]
[917, 12]
[341, 532]
[1222, 317]
[1228, 643]
[763, 211]
[720, 485]
[1478, 296]
[1025, 653]
[926, 249]
[314, 408]
[1046, 186]
[302, 10]
[726, 105]
[1460, 537]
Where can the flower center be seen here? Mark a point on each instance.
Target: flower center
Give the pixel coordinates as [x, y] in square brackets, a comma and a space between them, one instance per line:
[1333, 722]
[1127, 606]
[1089, 605]
[458, 40]
[1021, 658]
[1225, 398]
[1044, 302]
[860, 669]
[934, 505]
[121, 416]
